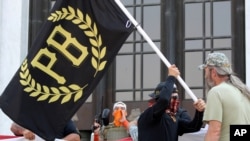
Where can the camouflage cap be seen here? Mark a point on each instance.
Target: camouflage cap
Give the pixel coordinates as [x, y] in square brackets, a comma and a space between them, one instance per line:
[216, 59]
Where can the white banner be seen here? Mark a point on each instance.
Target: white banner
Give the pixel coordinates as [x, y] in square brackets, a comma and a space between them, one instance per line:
[16, 138]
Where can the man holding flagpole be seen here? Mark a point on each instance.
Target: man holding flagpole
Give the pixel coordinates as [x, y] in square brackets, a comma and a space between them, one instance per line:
[164, 120]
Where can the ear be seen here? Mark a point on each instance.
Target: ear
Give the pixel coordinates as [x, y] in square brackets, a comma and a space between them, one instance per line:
[213, 72]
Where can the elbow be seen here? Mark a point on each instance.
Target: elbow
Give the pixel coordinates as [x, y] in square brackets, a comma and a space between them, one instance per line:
[14, 129]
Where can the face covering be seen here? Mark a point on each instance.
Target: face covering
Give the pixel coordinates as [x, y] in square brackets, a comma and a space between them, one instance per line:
[174, 106]
[117, 117]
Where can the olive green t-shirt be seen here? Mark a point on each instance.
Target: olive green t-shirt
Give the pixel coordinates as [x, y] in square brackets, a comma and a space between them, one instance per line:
[225, 103]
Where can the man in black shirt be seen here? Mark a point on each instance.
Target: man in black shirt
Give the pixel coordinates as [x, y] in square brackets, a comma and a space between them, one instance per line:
[164, 120]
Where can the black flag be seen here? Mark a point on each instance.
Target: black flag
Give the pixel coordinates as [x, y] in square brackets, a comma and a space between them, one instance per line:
[70, 55]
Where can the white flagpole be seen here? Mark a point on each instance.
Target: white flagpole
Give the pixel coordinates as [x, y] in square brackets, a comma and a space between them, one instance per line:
[159, 53]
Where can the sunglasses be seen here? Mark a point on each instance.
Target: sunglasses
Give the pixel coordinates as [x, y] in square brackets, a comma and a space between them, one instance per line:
[174, 97]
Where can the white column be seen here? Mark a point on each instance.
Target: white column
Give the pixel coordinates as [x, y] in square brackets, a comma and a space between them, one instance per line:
[13, 46]
[247, 14]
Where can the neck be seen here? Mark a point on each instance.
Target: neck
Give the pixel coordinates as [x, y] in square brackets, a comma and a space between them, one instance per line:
[221, 79]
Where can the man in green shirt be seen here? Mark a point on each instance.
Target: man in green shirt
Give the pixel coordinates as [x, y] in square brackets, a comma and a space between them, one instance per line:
[228, 98]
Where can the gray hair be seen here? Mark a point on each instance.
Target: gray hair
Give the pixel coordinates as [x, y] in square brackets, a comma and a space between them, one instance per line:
[233, 79]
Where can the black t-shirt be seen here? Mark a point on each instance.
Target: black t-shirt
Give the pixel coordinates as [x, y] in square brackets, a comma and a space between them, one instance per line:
[68, 129]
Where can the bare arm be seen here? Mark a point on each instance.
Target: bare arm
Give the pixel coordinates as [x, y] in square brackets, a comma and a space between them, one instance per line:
[20, 131]
[214, 130]
[16, 129]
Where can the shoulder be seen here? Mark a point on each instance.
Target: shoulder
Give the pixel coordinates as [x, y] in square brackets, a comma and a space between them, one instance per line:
[70, 128]
[222, 86]
[183, 116]
[182, 112]
[221, 89]
[70, 124]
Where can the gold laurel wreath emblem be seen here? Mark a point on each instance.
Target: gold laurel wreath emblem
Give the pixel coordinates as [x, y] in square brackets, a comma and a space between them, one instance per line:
[44, 92]
[85, 23]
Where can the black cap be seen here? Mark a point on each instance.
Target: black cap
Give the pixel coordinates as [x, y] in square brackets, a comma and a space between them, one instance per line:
[156, 93]
[175, 90]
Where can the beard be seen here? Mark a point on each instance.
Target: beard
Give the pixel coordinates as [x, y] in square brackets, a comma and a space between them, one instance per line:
[209, 82]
